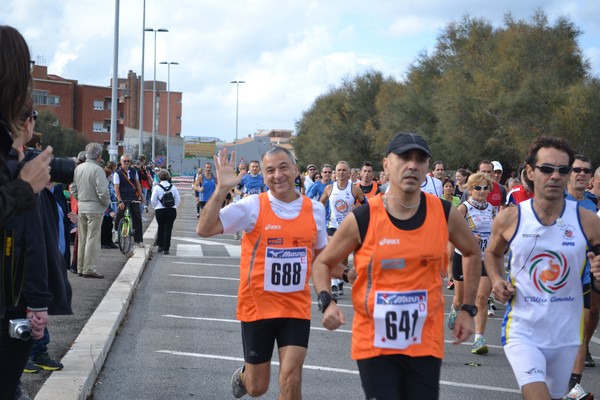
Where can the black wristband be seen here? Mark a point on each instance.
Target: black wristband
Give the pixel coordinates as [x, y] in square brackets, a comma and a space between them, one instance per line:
[345, 275]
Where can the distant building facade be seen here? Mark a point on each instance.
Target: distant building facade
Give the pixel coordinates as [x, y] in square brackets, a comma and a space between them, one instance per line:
[87, 108]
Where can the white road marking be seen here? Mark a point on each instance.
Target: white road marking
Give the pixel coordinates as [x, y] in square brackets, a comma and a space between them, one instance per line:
[204, 277]
[207, 264]
[230, 296]
[329, 369]
[314, 328]
[189, 250]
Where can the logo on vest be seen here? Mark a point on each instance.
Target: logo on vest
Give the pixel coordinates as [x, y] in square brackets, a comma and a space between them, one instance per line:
[568, 232]
[272, 227]
[386, 241]
[275, 241]
[549, 271]
[341, 206]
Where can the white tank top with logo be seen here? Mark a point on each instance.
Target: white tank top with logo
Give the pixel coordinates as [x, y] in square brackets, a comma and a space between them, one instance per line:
[480, 223]
[546, 267]
[340, 203]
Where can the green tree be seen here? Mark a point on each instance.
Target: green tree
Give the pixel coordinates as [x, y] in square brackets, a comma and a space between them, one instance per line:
[342, 124]
[65, 142]
[484, 92]
[160, 148]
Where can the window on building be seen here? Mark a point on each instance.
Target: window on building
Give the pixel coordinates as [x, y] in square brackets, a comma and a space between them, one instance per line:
[98, 127]
[98, 105]
[40, 97]
[43, 98]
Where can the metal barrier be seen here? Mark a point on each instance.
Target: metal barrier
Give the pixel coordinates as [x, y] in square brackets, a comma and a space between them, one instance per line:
[183, 182]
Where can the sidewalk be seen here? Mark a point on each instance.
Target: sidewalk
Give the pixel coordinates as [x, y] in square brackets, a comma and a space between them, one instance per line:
[81, 341]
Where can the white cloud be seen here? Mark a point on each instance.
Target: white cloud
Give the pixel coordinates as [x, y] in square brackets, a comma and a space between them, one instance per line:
[288, 51]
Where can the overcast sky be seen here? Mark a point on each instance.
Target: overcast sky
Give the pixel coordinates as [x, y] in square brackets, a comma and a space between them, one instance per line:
[288, 51]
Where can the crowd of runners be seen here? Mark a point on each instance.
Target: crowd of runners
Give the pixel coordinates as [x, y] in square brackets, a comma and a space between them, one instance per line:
[411, 231]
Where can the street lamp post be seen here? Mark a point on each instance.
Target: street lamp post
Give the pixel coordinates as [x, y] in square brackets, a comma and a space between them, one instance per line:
[237, 102]
[168, 64]
[141, 125]
[154, 92]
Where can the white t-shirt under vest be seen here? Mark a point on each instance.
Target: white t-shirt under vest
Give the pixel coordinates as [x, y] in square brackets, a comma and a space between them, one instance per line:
[340, 203]
[547, 263]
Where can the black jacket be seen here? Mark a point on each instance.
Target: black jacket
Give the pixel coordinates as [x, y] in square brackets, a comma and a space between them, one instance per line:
[16, 196]
[34, 263]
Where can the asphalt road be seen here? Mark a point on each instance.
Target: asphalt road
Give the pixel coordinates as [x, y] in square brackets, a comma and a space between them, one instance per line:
[87, 294]
[181, 340]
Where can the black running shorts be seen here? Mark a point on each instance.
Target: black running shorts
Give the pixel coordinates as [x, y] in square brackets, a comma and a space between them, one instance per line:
[259, 337]
[400, 377]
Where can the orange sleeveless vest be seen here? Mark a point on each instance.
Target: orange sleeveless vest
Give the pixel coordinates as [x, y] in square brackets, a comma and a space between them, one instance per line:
[397, 296]
[275, 265]
[373, 190]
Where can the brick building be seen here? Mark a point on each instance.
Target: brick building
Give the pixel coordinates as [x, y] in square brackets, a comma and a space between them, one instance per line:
[87, 108]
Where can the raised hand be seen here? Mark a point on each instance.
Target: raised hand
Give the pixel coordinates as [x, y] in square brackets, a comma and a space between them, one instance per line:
[225, 170]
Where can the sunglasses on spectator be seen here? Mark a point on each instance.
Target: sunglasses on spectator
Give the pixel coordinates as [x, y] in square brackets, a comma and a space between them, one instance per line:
[127, 161]
[548, 169]
[579, 170]
[479, 187]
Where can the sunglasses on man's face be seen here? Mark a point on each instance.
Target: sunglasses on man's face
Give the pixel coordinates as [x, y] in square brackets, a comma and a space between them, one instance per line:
[579, 170]
[126, 161]
[548, 169]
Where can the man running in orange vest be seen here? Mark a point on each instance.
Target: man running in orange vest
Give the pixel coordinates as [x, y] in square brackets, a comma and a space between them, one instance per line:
[400, 245]
[284, 231]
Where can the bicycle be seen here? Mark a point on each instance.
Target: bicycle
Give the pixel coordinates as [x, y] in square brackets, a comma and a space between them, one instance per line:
[125, 229]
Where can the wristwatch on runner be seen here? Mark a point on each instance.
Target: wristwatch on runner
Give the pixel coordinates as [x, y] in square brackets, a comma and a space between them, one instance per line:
[471, 309]
[324, 300]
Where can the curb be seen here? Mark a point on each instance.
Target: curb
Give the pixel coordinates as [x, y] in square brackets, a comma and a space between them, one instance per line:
[89, 351]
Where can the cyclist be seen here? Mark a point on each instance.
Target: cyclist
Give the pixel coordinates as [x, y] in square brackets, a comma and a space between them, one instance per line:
[128, 188]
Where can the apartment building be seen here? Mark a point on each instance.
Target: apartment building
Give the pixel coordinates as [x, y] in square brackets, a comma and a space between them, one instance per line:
[87, 108]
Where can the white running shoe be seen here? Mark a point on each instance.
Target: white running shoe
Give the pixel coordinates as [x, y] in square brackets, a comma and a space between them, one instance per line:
[577, 393]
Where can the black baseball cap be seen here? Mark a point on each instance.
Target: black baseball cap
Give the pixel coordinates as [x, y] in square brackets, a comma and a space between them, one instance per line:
[406, 141]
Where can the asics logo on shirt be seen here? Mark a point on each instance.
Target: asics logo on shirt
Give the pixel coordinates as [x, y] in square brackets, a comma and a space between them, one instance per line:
[386, 241]
[272, 227]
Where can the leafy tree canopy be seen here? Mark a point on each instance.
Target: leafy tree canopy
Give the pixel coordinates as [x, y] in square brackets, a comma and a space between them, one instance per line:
[484, 92]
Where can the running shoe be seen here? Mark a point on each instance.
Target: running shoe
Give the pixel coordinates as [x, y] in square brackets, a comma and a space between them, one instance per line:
[237, 386]
[491, 307]
[450, 285]
[31, 368]
[451, 319]
[479, 347]
[577, 393]
[341, 289]
[492, 303]
[589, 361]
[46, 363]
[334, 292]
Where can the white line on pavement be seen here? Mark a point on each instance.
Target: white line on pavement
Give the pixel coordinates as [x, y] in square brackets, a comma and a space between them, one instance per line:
[314, 328]
[231, 296]
[207, 264]
[204, 277]
[329, 369]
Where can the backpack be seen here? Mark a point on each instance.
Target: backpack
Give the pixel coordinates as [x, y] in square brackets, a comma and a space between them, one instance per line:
[168, 200]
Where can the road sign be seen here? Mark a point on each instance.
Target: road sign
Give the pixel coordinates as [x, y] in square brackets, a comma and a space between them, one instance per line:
[160, 161]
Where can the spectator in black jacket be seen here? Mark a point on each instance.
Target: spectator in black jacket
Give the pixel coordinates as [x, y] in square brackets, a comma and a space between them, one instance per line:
[16, 196]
